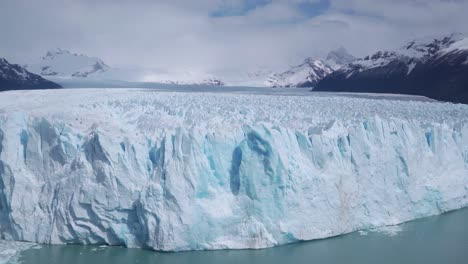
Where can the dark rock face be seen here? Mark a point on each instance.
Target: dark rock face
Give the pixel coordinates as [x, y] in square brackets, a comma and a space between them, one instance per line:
[439, 73]
[443, 78]
[15, 77]
[212, 82]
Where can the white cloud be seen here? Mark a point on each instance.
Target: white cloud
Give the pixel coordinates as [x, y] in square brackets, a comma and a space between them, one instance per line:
[177, 34]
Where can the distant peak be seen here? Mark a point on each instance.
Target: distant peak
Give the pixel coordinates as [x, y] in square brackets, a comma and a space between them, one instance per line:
[56, 52]
[59, 51]
[340, 50]
[441, 38]
[309, 60]
[339, 57]
[63, 63]
[430, 45]
[340, 53]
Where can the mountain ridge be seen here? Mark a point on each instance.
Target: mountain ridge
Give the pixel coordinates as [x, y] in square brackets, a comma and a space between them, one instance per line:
[16, 77]
[436, 68]
[63, 63]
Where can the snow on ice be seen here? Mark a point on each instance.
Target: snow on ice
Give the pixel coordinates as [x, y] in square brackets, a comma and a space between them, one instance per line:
[186, 171]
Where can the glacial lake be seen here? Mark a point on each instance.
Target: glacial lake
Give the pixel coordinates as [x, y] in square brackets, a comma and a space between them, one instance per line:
[437, 239]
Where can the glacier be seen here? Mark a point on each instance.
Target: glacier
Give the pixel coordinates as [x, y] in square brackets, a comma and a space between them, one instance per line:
[175, 171]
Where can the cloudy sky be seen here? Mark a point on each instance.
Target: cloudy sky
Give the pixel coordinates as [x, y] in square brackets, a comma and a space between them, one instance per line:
[215, 34]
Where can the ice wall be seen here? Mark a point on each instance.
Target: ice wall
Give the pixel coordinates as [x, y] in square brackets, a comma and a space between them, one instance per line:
[254, 185]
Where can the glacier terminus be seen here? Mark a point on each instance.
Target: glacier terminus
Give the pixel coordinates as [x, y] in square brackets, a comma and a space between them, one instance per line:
[175, 171]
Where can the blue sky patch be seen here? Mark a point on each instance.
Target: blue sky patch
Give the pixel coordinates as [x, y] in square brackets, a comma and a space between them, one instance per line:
[246, 6]
[305, 8]
[314, 9]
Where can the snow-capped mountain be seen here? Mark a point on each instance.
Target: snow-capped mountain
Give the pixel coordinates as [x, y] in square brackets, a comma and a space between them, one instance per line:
[70, 68]
[208, 82]
[63, 63]
[311, 71]
[434, 67]
[338, 58]
[306, 74]
[78, 70]
[413, 52]
[15, 77]
[181, 77]
[255, 77]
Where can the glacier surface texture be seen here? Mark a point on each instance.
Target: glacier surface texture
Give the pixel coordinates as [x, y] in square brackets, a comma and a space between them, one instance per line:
[178, 171]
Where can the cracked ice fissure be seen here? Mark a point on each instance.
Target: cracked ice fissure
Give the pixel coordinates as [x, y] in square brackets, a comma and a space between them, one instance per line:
[188, 171]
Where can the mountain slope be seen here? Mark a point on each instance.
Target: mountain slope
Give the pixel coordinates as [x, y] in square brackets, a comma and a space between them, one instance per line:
[15, 77]
[339, 58]
[63, 63]
[67, 68]
[436, 68]
[306, 74]
[183, 78]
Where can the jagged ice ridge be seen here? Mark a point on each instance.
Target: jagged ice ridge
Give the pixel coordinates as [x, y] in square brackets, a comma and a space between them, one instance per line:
[186, 171]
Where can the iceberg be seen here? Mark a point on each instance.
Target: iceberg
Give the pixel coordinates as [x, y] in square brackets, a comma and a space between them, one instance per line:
[175, 171]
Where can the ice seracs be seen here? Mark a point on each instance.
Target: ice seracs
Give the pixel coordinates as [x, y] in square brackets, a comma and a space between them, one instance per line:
[187, 171]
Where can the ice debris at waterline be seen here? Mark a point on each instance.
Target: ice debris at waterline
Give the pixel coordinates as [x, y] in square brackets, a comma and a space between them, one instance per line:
[10, 250]
[187, 171]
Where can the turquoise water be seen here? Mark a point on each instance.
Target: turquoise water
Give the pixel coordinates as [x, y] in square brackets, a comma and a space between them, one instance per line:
[439, 239]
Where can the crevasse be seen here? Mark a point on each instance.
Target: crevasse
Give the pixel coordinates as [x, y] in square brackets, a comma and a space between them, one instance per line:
[255, 186]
